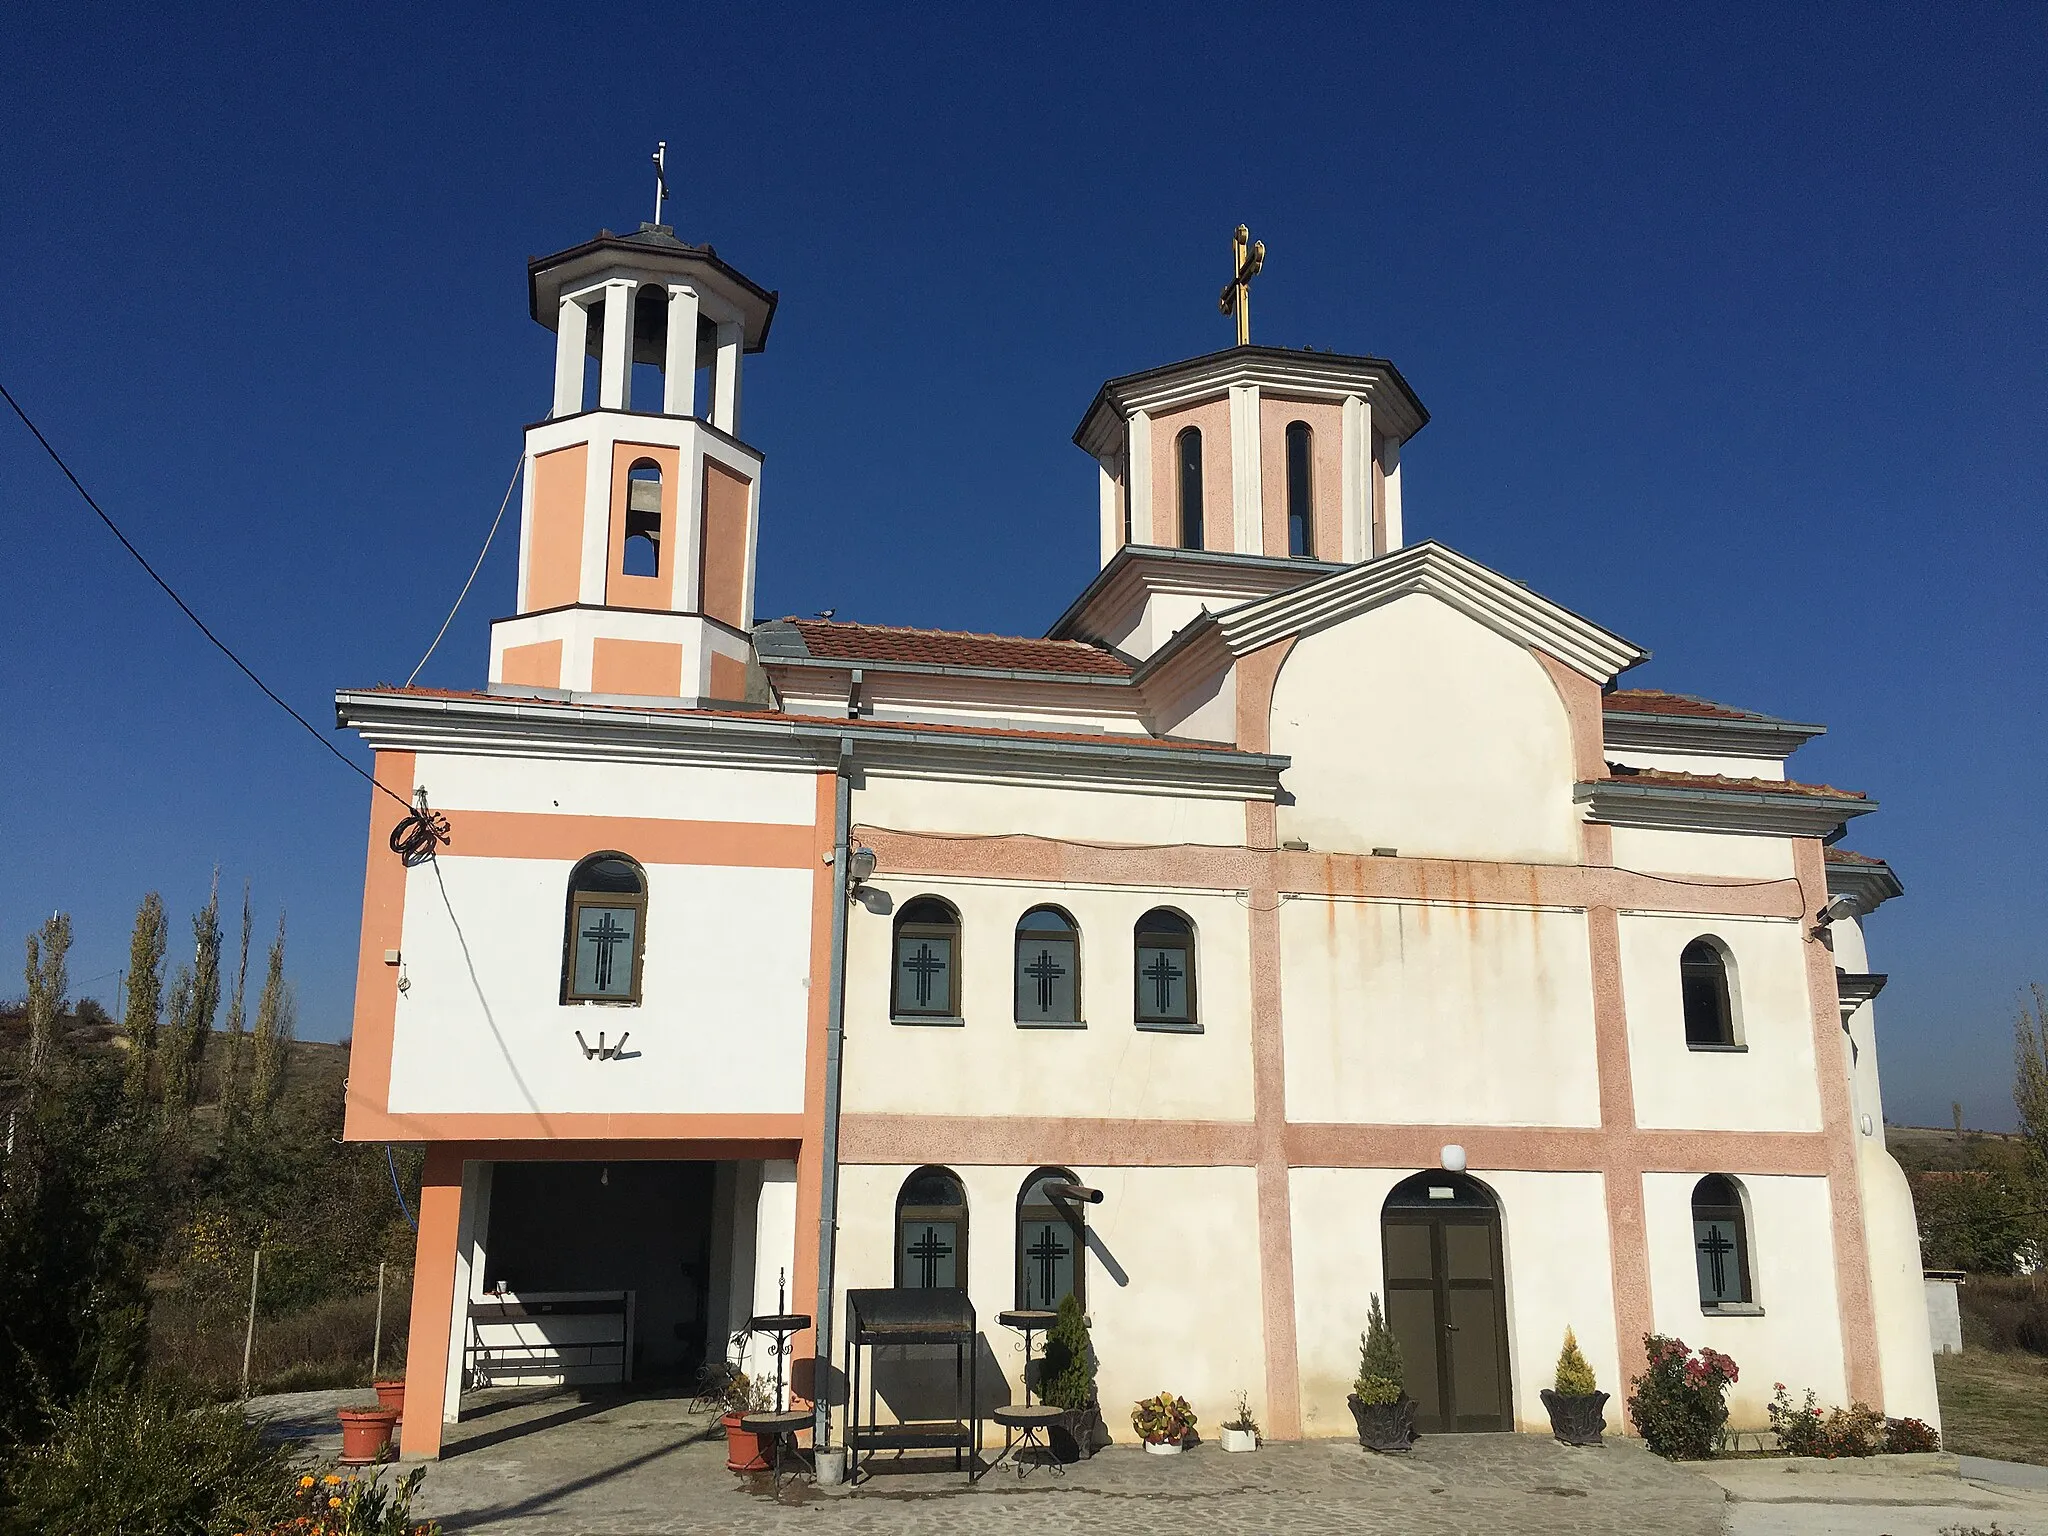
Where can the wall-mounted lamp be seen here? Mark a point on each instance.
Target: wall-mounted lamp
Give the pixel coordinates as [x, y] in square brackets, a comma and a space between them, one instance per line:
[860, 864]
[1452, 1158]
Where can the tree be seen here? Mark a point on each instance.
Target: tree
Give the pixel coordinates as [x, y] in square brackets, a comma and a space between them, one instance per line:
[2030, 1077]
[195, 999]
[48, 981]
[276, 1016]
[145, 992]
[231, 1063]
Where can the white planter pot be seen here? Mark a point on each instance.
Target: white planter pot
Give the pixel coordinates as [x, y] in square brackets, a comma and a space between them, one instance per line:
[1240, 1439]
[1167, 1448]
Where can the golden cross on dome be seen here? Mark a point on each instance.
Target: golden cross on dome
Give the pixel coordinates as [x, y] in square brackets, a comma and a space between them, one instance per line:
[1247, 256]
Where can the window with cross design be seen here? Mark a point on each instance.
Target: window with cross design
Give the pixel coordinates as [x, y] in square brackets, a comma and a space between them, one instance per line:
[1720, 1242]
[925, 984]
[931, 1231]
[1052, 1239]
[606, 938]
[1048, 968]
[1165, 970]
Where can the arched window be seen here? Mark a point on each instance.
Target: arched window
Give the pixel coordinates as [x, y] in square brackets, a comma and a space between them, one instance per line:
[1052, 1237]
[1300, 493]
[1711, 1015]
[1048, 968]
[642, 555]
[1188, 454]
[931, 1232]
[1165, 971]
[926, 985]
[1720, 1241]
[607, 936]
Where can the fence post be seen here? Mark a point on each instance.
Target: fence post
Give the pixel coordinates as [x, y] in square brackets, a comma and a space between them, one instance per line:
[377, 1338]
[249, 1337]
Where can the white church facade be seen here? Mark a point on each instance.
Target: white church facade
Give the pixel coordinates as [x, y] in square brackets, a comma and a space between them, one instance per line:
[1320, 898]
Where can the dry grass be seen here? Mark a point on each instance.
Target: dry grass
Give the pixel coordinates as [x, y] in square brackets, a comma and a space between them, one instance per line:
[1994, 1403]
[327, 1345]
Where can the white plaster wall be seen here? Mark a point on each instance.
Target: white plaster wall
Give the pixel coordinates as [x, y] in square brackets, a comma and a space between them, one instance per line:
[1091, 815]
[774, 1254]
[1110, 1068]
[655, 791]
[1172, 1288]
[1797, 1339]
[1726, 855]
[1771, 1086]
[1555, 1253]
[1414, 1013]
[1866, 1087]
[1699, 762]
[1202, 708]
[1905, 1342]
[1414, 727]
[480, 1028]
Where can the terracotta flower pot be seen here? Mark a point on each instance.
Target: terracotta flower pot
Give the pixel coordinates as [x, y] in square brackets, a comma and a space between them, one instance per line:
[391, 1394]
[366, 1435]
[1578, 1419]
[1388, 1427]
[743, 1451]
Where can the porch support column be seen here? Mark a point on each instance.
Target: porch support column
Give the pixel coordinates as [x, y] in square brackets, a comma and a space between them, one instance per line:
[433, 1301]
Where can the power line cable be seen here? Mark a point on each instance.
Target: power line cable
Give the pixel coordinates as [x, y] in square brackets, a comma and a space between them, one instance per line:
[473, 569]
[186, 608]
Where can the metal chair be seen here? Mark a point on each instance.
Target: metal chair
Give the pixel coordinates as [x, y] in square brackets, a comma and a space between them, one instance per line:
[1024, 1428]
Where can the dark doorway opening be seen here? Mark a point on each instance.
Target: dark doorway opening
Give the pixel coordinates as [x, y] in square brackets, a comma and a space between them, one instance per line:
[635, 1226]
[1447, 1302]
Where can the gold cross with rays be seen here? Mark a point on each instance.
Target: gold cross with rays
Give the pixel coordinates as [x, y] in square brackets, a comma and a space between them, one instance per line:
[1247, 256]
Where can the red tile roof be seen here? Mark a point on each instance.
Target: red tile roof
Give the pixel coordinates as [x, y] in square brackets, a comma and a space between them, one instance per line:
[833, 641]
[1851, 857]
[1650, 701]
[1721, 781]
[837, 723]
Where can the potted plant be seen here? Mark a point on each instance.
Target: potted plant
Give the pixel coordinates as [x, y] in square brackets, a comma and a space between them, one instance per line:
[1384, 1410]
[1066, 1380]
[391, 1394]
[738, 1397]
[1241, 1430]
[366, 1435]
[1577, 1405]
[1163, 1423]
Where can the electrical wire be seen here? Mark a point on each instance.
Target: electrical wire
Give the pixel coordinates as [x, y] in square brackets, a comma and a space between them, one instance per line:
[392, 1163]
[186, 608]
[473, 569]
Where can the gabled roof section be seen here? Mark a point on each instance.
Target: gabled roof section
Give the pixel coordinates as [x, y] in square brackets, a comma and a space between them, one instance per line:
[1501, 604]
[885, 647]
[1139, 569]
[1307, 373]
[1868, 881]
[1649, 719]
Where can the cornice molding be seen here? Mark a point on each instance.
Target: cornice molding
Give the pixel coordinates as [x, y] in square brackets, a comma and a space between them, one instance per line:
[1870, 885]
[1757, 737]
[1693, 808]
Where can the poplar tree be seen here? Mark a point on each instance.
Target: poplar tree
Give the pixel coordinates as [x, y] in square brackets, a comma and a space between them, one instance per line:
[195, 999]
[48, 981]
[2030, 1080]
[145, 992]
[231, 1063]
[276, 1018]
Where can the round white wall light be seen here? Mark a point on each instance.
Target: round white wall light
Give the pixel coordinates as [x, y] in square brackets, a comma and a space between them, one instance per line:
[1453, 1158]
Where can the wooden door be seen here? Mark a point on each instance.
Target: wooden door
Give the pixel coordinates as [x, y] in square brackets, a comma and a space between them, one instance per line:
[1447, 1304]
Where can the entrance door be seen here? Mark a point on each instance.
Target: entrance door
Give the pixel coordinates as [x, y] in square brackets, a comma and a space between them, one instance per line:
[1447, 1302]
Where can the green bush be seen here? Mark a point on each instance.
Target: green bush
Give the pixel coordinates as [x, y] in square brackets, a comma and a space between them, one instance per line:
[1679, 1404]
[1575, 1378]
[145, 1462]
[1066, 1374]
[1905, 1436]
[1379, 1359]
[1807, 1431]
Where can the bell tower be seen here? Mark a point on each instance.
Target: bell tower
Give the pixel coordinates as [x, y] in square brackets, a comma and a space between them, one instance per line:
[641, 503]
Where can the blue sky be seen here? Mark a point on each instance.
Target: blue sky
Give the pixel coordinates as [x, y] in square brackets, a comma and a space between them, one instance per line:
[1730, 320]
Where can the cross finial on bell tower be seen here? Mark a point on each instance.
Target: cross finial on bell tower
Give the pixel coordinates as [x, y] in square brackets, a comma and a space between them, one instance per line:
[660, 159]
[1247, 256]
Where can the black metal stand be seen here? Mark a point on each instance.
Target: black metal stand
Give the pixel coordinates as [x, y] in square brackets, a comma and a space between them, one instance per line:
[880, 1319]
[780, 1425]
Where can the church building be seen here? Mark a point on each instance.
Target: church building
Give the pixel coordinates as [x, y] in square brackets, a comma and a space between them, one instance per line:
[1309, 913]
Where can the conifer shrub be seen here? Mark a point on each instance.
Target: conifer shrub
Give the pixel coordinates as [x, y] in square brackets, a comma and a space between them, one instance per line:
[1066, 1372]
[1574, 1376]
[1379, 1359]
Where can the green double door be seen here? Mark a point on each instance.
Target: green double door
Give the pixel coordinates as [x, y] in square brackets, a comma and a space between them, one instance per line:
[1447, 1304]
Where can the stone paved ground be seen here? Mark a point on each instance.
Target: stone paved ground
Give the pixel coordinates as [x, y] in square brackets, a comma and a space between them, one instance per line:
[634, 1467]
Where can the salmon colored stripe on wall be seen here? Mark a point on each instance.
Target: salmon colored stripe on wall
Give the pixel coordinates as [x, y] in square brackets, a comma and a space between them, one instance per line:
[533, 666]
[376, 1015]
[650, 668]
[554, 555]
[433, 1299]
[524, 835]
[725, 544]
[728, 678]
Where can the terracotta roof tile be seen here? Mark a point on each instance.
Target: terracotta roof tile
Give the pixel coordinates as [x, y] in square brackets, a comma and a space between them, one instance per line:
[1851, 857]
[834, 641]
[1722, 781]
[1651, 701]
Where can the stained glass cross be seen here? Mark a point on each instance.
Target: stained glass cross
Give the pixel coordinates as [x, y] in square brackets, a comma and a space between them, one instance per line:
[1716, 1246]
[1045, 971]
[924, 966]
[607, 933]
[1162, 973]
[928, 1251]
[1045, 1255]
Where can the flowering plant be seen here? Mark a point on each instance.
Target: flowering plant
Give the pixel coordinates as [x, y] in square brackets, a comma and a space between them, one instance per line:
[1163, 1420]
[331, 1503]
[1679, 1404]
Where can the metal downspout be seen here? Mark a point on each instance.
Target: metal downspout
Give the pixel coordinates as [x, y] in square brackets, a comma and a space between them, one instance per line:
[828, 1162]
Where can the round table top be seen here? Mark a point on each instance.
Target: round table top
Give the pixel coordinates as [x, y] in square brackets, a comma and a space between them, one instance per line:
[1026, 1413]
[779, 1422]
[779, 1322]
[1027, 1317]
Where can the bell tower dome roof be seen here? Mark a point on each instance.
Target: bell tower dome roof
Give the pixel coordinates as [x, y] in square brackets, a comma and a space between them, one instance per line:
[652, 251]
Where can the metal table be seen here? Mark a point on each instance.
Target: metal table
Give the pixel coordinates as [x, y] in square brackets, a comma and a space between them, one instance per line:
[896, 1318]
[1027, 1321]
